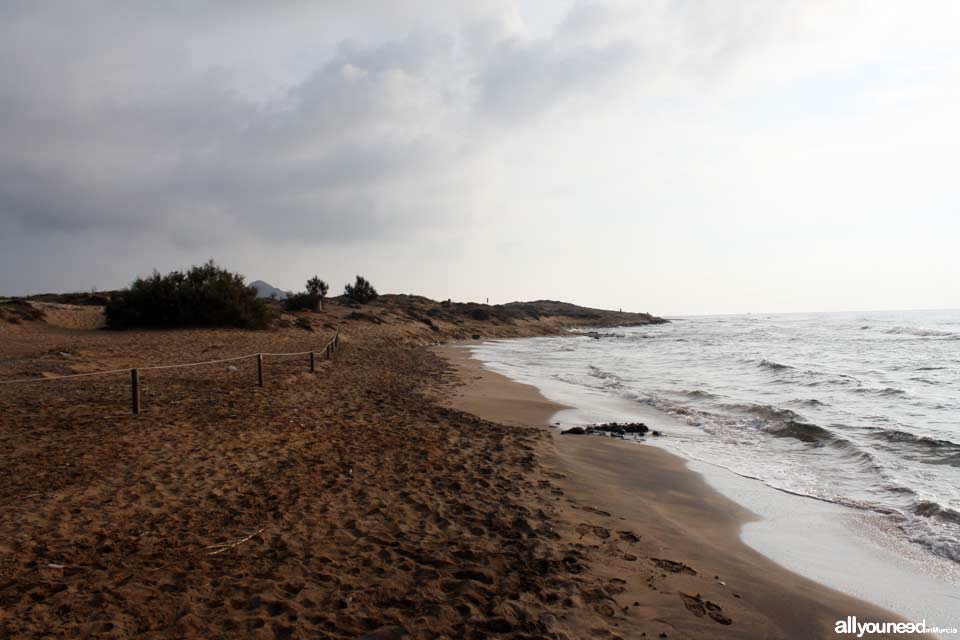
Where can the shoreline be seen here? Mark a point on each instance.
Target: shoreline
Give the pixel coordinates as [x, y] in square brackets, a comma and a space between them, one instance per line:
[353, 500]
[678, 515]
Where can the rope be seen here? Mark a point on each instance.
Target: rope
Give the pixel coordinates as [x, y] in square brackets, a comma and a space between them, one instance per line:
[159, 367]
[195, 364]
[73, 375]
[298, 353]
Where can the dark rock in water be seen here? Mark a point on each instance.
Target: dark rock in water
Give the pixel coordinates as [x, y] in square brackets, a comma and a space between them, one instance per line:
[621, 429]
[476, 336]
[612, 429]
[656, 433]
[574, 431]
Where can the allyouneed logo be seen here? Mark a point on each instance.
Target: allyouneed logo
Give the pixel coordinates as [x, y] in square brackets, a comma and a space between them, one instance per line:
[852, 626]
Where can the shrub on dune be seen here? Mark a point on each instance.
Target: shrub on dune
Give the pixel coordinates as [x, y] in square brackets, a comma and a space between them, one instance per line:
[360, 291]
[309, 300]
[204, 296]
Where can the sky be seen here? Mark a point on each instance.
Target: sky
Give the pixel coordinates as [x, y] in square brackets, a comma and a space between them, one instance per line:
[671, 156]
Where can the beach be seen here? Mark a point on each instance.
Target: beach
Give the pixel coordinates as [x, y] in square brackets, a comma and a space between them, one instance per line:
[689, 551]
[398, 491]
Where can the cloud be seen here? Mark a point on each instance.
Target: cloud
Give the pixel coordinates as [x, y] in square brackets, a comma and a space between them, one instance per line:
[295, 129]
[109, 122]
[325, 160]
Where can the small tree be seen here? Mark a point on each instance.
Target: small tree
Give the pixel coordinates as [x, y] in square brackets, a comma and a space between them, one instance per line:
[310, 299]
[317, 287]
[360, 291]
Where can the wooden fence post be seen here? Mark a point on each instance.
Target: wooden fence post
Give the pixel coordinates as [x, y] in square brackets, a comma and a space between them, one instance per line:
[313, 362]
[260, 369]
[135, 391]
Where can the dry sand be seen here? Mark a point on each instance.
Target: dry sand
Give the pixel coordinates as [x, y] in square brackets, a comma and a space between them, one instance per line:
[688, 575]
[332, 505]
[347, 502]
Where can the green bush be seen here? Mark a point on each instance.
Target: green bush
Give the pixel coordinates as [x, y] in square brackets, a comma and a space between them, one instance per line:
[303, 301]
[479, 313]
[204, 296]
[360, 291]
[310, 299]
[317, 287]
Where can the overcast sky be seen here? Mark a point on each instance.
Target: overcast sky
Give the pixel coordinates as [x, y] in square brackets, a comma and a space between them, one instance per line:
[671, 156]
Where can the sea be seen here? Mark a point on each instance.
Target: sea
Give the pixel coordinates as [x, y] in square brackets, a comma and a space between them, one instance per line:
[855, 409]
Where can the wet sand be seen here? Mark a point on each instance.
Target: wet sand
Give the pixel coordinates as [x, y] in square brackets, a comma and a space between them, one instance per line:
[689, 575]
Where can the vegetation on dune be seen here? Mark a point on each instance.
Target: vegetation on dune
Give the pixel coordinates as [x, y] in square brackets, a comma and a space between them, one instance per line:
[210, 296]
[204, 296]
[428, 311]
[361, 291]
[310, 299]
[317, 287]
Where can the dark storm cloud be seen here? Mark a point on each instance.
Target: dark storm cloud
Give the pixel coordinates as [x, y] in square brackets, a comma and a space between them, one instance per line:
[200, 125]
[100, 130]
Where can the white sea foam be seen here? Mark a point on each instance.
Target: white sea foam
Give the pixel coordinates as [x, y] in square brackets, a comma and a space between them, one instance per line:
[799, 402]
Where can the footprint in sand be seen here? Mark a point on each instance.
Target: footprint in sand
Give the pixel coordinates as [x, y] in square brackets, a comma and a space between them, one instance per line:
[584, 528]
[700, 607]
[628, 536]
[673, 566]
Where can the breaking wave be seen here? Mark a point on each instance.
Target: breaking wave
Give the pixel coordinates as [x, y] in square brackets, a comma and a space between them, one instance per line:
[775, 366]
[861, 410]
[919, 332]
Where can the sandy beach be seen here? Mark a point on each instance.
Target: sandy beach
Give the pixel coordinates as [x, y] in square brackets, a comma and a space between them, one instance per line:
[521, 320]
[396, 492]
[689, 558]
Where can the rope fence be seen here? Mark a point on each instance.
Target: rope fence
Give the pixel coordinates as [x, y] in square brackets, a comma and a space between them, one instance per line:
[326, 353]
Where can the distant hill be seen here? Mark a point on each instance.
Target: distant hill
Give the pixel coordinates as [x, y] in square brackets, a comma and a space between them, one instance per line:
[265, 290]
[536, 311]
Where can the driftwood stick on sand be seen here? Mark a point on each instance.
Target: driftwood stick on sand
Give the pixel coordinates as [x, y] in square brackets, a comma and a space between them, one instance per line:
[220, 548]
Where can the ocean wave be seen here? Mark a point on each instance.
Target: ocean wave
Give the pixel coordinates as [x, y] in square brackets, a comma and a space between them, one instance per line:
[810, 402]
[886, 391]
[830, 378]
[919, 332]
[765, 411]
[775, 366]
[935, 527]
[929, 524]
[774, 421]
[803, 431]
[608, 380]
[935, 510]
[949, 461]
[820, 409]
[895, 435]
[699, 394]
[942, 540]
[935, 451]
